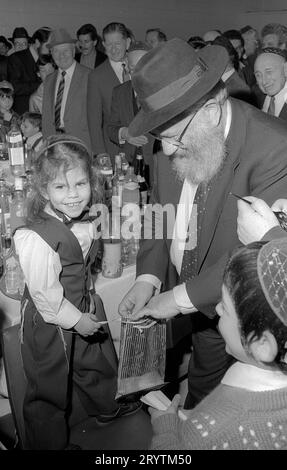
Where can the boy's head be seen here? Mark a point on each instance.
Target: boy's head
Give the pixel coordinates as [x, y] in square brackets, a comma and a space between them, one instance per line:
[6, 96]
[31, 124]
[253, 318]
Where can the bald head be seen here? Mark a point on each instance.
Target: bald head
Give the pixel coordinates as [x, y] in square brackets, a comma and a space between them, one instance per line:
[211, 35]
[270, 72]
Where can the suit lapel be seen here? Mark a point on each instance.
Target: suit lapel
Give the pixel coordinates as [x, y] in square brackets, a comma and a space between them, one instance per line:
[52, 91]
[222, 183]
[74, 86]
[283, 112]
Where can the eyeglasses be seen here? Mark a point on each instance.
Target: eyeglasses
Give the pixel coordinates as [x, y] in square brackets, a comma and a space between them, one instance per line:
[177, 142]
[6, 95]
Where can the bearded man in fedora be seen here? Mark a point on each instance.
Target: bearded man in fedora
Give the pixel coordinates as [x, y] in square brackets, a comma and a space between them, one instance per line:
[212, 146]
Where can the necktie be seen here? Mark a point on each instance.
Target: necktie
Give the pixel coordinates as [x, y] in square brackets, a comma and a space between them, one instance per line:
[271, 109]
[59, 101]
[190, 255]
[125, 73]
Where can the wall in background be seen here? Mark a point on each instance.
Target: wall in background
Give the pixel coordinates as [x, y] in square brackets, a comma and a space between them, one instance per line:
[260, 12]
[182, 18]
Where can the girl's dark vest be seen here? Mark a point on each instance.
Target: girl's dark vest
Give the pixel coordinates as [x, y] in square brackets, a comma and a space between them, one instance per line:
[75, 276]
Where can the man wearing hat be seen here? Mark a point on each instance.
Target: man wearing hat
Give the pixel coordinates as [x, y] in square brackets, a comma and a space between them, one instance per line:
[20, 39]
[65, 91]
[213, 146]
[270, 70]
[123, 109]
[23, 71]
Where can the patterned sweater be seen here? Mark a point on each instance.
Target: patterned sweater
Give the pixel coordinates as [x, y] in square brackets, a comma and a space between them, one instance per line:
[229, 418]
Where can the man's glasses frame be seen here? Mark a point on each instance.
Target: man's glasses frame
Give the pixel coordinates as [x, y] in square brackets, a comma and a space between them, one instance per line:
[177, 142]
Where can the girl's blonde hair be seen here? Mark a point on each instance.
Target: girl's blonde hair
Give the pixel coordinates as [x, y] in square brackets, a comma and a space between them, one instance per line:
[59, 153]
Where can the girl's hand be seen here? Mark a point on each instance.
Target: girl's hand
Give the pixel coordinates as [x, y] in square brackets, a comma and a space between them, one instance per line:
[87, 325]
[172, 409]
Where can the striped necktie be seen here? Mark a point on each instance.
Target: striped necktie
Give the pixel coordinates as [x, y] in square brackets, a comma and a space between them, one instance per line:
[125, 73]
[190, 255]
[59, 99]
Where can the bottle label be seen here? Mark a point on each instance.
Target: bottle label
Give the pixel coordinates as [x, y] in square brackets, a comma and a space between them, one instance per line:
[16, 156]
[15, 139]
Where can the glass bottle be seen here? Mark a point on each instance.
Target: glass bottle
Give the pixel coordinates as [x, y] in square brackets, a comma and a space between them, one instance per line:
[139, 171]
[130, 218]
[3, 144]
[125, 163]
[118, 182]
[5, 216]
[13, 275]
[16, 150]
[18, 205]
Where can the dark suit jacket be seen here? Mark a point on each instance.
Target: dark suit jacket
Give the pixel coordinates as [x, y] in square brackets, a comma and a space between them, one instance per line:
[237, 88]
[283, 113]
[101, 83]
[75, 116]
[22, 73]
[123, 110]
[255, 165]
[100, 58]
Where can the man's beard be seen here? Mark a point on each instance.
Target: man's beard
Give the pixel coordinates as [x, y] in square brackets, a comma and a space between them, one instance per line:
[204, 155]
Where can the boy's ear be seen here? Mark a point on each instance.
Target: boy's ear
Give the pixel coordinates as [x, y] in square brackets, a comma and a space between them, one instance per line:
[264, 349]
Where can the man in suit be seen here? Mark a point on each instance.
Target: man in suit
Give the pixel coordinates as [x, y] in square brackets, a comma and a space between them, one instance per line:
[234, 84]
[65, 91]
[270, 70]
[89, 56]
[123, 109]
[213, 145]
[22, 69]
[101, 83]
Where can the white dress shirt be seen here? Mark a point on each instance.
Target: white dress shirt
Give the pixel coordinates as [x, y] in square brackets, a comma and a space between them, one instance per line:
[280, 100]
[68, 79]
[118, 69]
[41, 267]
[180, 233]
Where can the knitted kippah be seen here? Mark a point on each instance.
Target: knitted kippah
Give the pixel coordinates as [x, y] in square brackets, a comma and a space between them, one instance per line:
[272, 273]
[273, 50]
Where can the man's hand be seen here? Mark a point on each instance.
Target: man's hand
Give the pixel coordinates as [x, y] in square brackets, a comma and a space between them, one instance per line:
[254, 220]
[280, 205]
[160, 306]
[137, 141]
[136, 298]
[172, 409]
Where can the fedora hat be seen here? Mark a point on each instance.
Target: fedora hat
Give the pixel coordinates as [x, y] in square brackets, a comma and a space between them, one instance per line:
[172, 77]
[59, 36]
[19, 32]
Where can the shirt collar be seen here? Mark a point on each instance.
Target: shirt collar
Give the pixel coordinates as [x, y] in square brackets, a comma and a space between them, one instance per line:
[228, 119]
[228, 74]
[250, 377]
[34, 53]
[32, 139]
[68, 71]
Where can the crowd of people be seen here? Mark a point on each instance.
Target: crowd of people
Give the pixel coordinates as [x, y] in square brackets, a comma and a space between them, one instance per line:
[210, 116]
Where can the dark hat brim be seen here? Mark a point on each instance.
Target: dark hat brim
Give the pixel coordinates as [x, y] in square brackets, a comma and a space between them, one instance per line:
[216, 61]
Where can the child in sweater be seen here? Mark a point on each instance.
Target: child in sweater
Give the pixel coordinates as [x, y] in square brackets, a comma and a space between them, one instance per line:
[248, 410]
[65, 349]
